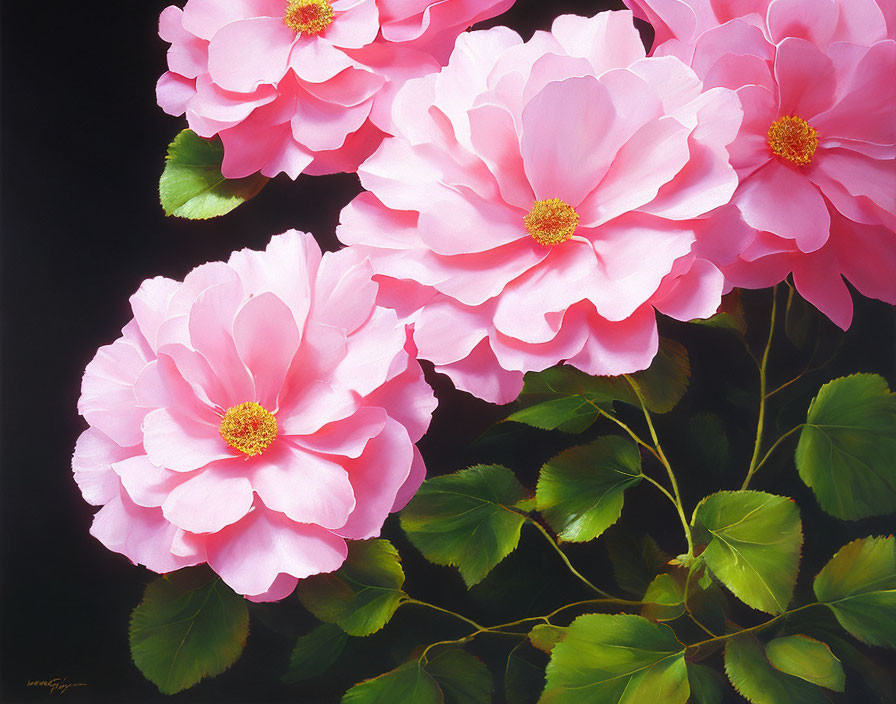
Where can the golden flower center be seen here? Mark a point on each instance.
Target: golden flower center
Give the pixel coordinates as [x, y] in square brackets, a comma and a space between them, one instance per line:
[248, 428]
[308, 16]
[793, 139]
[551, 221]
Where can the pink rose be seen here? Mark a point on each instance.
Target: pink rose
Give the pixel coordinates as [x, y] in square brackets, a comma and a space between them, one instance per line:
[816, 154]
[540, 202]
[254, 417]
[302, 86]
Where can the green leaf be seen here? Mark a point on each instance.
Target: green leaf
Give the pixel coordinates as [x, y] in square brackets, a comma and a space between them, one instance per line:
[808, 659]
[663, 386]
[190, 625]
[664, 599]
[545, 637]
[846, 449]
[192, 185]
[408, 684]
[754, 545]
[875, 677]
[315, 652]
[753, 676]
[580, 490]
[363, 594]
[464, 519]
[859, 586]
[463, 678]
[620, 659]
[730, 315]
[707, 686]
[524, 674]
[635, 561]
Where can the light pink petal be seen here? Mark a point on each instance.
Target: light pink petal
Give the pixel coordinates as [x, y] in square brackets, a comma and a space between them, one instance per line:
[282, 587]
[365, 220]
[305, 486]
[323, 346]
[798, 64]
[267, 339]
[150, 304]
[224, 107]
[861, 176]
[694, 294]
[619, 348]
[178, 442]
[722, 236]
[195, 370]
[402, 177]
[670, 18]
[351, 87]
[211, 332]
[739, 71]
[376, 478]
[200, 279]
[608, 40]
[174, 92]
[412, 483]
[252, 148]
[867, 257]
[759, 273]
[160, 385]
[205, 17]
[803, 216]
[817, 278]
[146, 484]
[446, 332]
[107, 397]
[481, 375]
[349, 157]
[738, 37]
[408, 399]
[356, 24]
[251, 52]
[458, 224]
[143, 536]
[314, 59]
[312, 407]
[321, 126]
[344, 293]
[347, 437]
[371, 354]
[187, 55]
[751, 150]
[495, 139]
[211, 499]
[515, 355]
[796, 18]
[92, 461]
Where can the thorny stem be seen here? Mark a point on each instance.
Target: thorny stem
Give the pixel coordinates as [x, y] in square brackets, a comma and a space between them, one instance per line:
[665, 462]
[763, 367]
[566, 559]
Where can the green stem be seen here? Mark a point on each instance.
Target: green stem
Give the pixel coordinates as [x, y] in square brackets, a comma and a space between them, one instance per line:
[687, 608]
[753, 629]
[445, 611]
[661, 456]
[565, 559]
[763, 368]
[589, 602]
[634, 436]
[773, 448]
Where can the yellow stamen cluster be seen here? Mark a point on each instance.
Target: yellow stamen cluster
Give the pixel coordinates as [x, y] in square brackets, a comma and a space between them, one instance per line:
[794, 139]
[308, 16]
[248, 428]
[551, 221]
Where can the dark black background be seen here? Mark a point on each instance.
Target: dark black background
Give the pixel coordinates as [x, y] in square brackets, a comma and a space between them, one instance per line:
[83, 145]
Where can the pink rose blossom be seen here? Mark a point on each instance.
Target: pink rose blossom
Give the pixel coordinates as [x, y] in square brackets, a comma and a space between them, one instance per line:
[302, 86]
[816, 154]
[254, 417]
[540, 202]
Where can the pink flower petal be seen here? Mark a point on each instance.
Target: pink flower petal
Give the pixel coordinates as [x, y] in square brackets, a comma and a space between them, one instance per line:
[608, 40]
[798, 64]
[356, 24]
[408, 399]
[251, 554]
[303, 485]
[411, 484]
[818, 280]
[495, 139]
[314, 59]
[250, 52]
[150, 304]
[371, 353]
[321, 125]
[347, 437]
[160, 385]
[789, 18]
[480, 375]
[94, 455]
[146, 484]
[211, 499]
[344, 294]
[446, 332]
[619, 348]
[175, 441]
[205, 17]
[174, 92]
[312, 407]
[694, 294]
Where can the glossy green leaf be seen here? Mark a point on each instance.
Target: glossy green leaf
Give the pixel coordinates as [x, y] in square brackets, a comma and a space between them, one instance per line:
[545, 637]
[192, 185]
[754, 677]
[620, 659]
[754, 542]
[463, 678]
[580, 491]
[190, 625]
[707, 685]
[635, 561]
[408, 684]
[664, 599]
[363, 594]
[808, 659]
[573, 414]
[464, 519]
[859, 586]
[315, 652]
[846, 449]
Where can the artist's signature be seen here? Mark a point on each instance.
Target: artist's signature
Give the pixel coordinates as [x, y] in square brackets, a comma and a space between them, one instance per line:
[57, 685]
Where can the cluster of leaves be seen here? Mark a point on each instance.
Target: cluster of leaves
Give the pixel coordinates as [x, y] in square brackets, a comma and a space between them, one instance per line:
[743, 543]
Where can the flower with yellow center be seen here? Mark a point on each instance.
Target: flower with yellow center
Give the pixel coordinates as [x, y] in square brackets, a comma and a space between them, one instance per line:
[551, 222]
[308, 16]
[794, 139]
[248, 428]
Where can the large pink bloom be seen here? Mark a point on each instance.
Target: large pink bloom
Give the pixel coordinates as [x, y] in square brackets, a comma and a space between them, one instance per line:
[540, 202]
[299, 86]
[815, 155]
[254, 417]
